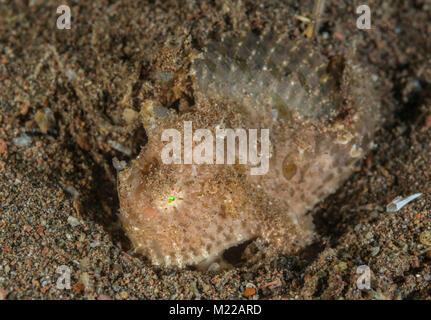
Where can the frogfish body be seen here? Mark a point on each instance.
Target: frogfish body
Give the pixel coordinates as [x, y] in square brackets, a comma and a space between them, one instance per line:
[321, 114]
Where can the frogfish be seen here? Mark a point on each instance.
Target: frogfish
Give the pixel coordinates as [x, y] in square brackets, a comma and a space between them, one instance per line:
[320, 114]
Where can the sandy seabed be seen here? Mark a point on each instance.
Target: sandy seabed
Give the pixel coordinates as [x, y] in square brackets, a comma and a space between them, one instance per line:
[62, 98]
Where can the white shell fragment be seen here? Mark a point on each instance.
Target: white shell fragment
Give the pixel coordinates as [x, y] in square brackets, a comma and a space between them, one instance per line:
[400, 202]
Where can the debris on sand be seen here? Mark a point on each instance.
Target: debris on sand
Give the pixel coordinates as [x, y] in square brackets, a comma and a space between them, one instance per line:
[400, 202]
[22, 141]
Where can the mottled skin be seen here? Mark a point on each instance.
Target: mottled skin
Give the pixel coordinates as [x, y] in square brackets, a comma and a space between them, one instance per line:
[322, 115]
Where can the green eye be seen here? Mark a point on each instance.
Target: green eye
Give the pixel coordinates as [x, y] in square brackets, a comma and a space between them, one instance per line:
[171, 198]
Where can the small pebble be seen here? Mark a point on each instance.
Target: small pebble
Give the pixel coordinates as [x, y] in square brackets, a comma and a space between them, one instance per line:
[130, 115]
[95, 244]
[375, 251]
[119, 147]
[250, 291]
[3, 294]
[78, 287]
[86, 281]
[71, 74]
[214, 267]
[341, 266]
[73, 221]
[22, 141]
[3, 146]
[118, 165]
[44, 119]
[425, 238]
[287, 262]
[71, 190]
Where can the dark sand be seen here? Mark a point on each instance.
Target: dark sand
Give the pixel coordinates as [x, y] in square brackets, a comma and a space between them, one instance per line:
[88, 75]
